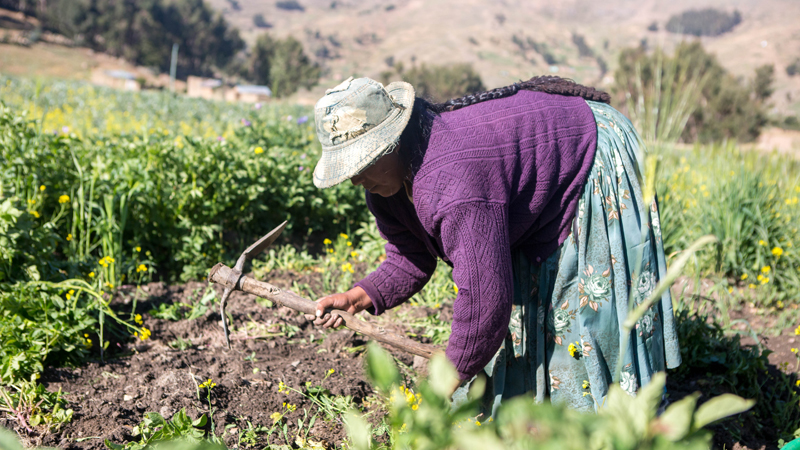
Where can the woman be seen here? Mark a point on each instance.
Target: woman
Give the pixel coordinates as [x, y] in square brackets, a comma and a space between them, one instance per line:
[533, 194]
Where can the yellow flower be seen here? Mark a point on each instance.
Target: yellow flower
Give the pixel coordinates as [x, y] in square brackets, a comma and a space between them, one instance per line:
[585, 384]
[762, 242]
[777, 251]
[69, 237]
[415, 407]
[766, 269]
[282, 387]
[744, 276]
[794, 350]
[208, 384]
[765, 280]
[797, 331]
[760, 277]
[63, 199]
[354, 254]
[344, 236]
[138, 249]
[478, 423]
[779, 304]
[585, 394]
[258, 150]
[349, 244]
[138, 319]
[91, 274]
[34, 213]
[141, 268]
[289, 407]
[573, 349]
[751, 286]
[145, 334]
[331, 371]
[327, 241]
[730, 290]
[455, 289]
[31, 201]
[330, 250]
[347, 267]
[276, 416]
[797, 383]
[42, 188]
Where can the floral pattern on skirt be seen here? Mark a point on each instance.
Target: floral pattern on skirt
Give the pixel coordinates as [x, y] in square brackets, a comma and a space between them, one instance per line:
[565, 331]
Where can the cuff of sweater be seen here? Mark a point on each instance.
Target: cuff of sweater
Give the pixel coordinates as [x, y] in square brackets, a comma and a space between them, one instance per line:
[378, 306]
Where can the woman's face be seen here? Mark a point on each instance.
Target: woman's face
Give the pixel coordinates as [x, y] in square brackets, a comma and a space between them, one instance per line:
[385, 177]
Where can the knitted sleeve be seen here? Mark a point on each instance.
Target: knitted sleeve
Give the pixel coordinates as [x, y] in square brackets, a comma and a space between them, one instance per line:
[475, 238]
[408, 265]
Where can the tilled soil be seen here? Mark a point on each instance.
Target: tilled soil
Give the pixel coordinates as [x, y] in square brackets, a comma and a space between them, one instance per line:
[109, 398]
[270, 345]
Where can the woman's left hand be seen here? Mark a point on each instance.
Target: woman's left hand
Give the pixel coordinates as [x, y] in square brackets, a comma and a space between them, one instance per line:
[353, 301]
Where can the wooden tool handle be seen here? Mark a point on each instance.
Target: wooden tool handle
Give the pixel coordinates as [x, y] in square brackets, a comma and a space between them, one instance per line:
[219, 274]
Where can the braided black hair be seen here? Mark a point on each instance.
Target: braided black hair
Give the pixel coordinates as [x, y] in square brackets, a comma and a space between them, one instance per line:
[546, 83]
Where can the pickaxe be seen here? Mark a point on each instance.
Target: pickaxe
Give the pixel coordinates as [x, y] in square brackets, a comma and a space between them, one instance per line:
[234, 279]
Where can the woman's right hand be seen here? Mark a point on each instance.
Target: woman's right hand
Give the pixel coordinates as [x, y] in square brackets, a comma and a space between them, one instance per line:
[353, 301]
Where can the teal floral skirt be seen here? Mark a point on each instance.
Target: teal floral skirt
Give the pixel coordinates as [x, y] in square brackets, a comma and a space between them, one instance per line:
[565, 334]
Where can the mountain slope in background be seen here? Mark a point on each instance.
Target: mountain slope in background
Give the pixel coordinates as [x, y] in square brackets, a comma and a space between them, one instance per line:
[362, 37]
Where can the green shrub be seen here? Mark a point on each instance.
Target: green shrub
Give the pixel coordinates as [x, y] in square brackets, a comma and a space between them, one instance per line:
[282, 65]
[703, 22]
[724, 109]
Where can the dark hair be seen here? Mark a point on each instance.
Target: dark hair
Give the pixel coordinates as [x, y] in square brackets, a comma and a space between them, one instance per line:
[546, 83]
[414, 140]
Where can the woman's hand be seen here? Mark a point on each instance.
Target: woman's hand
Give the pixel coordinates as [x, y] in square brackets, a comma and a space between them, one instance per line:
[353, 301]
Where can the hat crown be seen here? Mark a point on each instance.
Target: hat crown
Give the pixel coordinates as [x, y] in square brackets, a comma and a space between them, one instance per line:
[351, 109]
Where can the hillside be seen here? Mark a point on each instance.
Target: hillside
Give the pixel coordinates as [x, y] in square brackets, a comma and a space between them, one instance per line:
[357, 37]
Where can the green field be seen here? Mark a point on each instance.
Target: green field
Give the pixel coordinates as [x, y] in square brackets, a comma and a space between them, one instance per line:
[102, 190]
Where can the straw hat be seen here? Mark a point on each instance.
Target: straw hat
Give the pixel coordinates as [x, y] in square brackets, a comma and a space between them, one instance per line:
[357, 122]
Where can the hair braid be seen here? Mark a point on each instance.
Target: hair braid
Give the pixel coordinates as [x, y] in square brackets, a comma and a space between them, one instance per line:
[546, 83]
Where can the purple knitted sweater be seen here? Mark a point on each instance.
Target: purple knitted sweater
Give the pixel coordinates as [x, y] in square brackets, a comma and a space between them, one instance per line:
[498, 175]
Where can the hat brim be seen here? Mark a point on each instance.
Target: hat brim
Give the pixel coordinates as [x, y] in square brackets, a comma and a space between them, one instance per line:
[342, 162]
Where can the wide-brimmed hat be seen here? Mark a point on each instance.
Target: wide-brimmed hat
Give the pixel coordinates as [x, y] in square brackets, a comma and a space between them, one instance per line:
[357, 122]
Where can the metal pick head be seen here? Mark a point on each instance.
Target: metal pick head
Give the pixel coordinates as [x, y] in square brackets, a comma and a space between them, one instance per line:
[264, 242]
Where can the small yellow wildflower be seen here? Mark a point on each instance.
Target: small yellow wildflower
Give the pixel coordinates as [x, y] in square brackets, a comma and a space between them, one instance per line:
[455, 289]
[138, 319]
[730, 290]
[63, 199]
[138, 249]
[760, 277]
[354, 254]
[765, 280]
[91, 274]
[331, 371]
[744, 276]
[145, 334]
[414, 407]
[478, 423]
[573, 349]
[42, 188]
[349, 244]
[766, 269]
[31, 201]
[797, 331]
[585, 384]
[344, 236]
[751, 286]
[282, 388]
[141, 268]
[69, 237]
[34, 213]
[585, 394]
[762, 242]
[797, 383]
[258, 150]
[777, 252]
[347, 267]
[794, 350]
[327, 241]
[779, 304]
[289, 407]
[276, 416]
[208, 384]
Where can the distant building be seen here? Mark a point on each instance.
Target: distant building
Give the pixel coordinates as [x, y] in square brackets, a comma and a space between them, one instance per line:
[208, 88]
[251, 93]
[214, 89]
[117, 79]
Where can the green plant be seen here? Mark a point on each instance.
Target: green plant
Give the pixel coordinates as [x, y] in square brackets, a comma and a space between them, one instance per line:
[426, 420]
[154, 429]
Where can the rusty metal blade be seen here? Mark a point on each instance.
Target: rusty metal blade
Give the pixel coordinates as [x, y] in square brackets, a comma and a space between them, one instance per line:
[264, 242]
